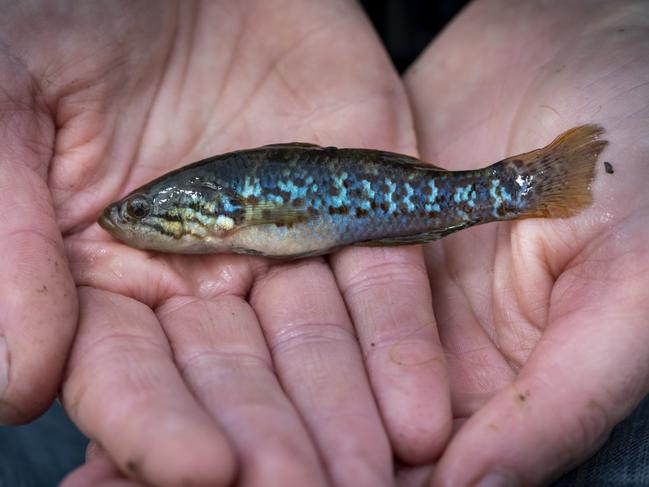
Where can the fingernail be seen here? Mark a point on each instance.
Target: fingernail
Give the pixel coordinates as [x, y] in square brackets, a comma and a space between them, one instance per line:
[498, 478]
[4, 366]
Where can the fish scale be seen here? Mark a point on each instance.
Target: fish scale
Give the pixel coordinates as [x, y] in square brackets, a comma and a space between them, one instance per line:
[293, 200]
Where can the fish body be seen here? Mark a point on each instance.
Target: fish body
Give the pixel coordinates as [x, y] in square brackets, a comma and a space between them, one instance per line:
[293, 200]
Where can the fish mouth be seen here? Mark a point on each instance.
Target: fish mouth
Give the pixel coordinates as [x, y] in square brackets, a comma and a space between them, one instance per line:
[108, 219]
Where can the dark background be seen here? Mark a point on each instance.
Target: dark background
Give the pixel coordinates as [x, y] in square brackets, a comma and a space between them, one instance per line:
[407, 26]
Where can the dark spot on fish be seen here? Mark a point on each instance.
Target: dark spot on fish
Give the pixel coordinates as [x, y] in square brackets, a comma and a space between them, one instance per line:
[312, 211]
[403, 209]
[172, 217]
[266, 214]
[428, 191]
[517, 163]
[298, 202]
[501, 210]
[286, 195]
[347, 183]
[333, 191]
[131, 466]
[621, 29]
[372, 344]
[608, 167]
[384, 206]
[162, 229]
[341, 210]
[385, 188]
[373, 204]
[360, 212]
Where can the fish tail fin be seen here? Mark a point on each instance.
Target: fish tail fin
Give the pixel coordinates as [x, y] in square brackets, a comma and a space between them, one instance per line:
[560, 175]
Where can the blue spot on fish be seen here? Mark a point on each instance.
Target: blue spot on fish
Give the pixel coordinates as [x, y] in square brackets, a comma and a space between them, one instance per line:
[367, 187]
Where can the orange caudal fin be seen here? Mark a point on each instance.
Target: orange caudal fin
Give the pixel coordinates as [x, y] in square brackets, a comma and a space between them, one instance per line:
[559, 176]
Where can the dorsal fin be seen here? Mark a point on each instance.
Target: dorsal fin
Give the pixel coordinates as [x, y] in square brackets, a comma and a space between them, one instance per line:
[392, 157]
[292, 145]
[409, 160]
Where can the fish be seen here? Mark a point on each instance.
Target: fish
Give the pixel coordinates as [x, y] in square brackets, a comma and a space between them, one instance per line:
[293, 200]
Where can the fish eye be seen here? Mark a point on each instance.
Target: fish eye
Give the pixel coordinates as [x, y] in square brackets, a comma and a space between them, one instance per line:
[138, 207]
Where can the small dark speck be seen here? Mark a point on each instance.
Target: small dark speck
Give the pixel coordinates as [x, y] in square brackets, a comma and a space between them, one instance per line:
[43, 289]
[521, 397]
[372, 344]
[131, 466]
[608, 167]
[621, 29]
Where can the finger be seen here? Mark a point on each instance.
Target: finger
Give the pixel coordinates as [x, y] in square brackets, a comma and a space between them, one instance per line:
[476, 367]
[407, 476]
[123, 390]
[321, 369]
[106, 265]
[99, 471]
[38, 308]
[221, 352]
[588, 371]
[388, 296]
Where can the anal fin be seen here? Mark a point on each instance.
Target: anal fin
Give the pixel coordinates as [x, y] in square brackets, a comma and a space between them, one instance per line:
[417, 238]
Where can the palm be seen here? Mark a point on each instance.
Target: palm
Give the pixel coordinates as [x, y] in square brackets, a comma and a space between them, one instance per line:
[545, 309]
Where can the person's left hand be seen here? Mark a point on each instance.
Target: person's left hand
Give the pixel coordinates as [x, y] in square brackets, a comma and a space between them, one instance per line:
[545, 323]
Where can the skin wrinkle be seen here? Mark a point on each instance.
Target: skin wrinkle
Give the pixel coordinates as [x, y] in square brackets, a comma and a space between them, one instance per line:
[381, 273]
[526, 311]
[263, 78]
[199, 360]
[144, 128]
[458, 285]
[295, 334]
[191, 32]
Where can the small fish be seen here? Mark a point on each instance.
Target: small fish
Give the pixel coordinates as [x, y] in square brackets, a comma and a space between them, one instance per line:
[295, 200]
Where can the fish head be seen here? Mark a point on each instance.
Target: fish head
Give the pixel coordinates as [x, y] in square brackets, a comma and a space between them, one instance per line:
[171, 218]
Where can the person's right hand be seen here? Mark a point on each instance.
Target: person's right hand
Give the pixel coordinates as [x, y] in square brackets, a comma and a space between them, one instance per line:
[187, 369]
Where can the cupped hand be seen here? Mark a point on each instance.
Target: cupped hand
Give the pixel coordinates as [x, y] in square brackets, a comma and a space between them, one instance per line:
[544, 323]
[190, 370]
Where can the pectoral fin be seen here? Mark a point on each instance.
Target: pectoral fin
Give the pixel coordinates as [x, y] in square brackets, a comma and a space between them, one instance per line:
[264, 213]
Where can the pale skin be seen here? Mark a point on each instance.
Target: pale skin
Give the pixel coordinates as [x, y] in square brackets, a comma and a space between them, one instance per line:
[197, 369]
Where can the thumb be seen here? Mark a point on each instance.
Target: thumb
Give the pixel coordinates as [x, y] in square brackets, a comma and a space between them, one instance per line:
[38, 309]
[587, 373]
